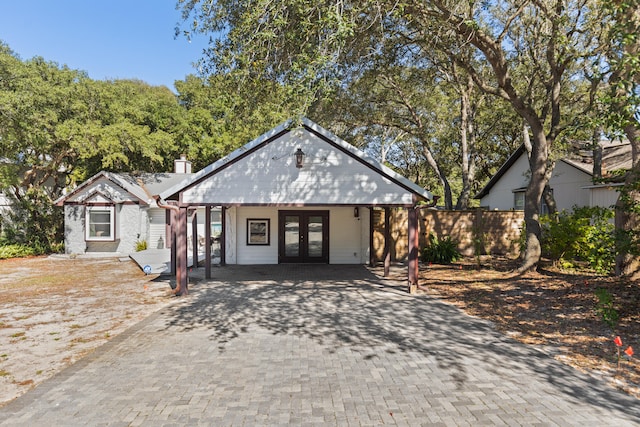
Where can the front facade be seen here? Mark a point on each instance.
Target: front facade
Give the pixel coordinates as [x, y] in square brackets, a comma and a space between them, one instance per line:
[297, 194]
[113, 213]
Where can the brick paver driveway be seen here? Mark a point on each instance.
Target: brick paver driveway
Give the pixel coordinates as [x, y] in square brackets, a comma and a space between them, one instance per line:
[316, 345]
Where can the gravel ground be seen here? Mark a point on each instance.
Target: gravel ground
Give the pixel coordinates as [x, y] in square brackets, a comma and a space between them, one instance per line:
[54, 310]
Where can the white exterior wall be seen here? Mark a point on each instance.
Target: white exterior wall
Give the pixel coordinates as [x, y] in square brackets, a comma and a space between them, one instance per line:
[256, 254]
[501, 195]
[269, 177]
[568, 185]
[348, 236]
[345, 236]
[129, 219]
[157, 228]
[74, 229]
[605, 197]
[231, 235]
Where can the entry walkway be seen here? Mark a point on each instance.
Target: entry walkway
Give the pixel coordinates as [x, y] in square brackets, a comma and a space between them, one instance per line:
[316, 345]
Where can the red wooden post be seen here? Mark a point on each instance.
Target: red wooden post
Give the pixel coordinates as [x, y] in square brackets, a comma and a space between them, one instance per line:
[207, 242]
[172, 219]
[413, 249]
[181, 253]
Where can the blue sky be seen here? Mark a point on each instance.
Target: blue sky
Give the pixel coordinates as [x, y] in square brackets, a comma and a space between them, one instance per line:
[109, 39]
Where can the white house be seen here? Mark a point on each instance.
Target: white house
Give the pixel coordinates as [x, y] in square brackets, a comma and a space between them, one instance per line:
[572, 180]
[296, 194]
[113, 212]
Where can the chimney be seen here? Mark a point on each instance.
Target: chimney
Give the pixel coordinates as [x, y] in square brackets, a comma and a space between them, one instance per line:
[182, 165]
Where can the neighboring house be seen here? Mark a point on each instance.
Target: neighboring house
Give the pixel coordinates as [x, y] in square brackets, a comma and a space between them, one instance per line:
[296, 194]
[112, 212]
[572, 181]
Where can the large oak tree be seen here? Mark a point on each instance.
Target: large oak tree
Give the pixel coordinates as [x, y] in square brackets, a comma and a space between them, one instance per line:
[528, 53]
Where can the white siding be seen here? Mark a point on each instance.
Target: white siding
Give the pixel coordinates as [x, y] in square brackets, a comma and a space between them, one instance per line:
[568, 185]
[157, 228]
[345, 236]
[604, 196]
[348, 236]
[257, 254]
[269, 176]
[501, 195]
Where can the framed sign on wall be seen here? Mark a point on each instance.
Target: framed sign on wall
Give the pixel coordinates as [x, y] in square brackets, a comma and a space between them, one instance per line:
[258, 231]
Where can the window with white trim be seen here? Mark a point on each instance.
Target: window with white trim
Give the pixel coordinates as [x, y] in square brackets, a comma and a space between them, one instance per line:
[100, 223]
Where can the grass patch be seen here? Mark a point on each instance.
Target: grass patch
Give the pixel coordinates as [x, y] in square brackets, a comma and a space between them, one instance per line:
[18, 335]
[4, 373]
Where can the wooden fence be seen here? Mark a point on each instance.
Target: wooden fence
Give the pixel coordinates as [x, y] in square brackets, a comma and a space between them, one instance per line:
[486, 232]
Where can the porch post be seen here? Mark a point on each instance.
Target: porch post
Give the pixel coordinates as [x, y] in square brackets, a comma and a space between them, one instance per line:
[181, 253]
[386, 256]
[194, 237]
[172, 220]
[207, 242]
[223, 236]
[372, 253]
[413, 249]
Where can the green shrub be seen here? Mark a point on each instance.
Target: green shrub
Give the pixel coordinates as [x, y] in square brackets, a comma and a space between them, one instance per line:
[586, 234]
[605, 308]
[443, 251]
[19, 251]
[141, 245]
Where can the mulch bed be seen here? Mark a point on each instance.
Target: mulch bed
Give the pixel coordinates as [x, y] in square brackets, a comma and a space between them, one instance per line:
[551, 307]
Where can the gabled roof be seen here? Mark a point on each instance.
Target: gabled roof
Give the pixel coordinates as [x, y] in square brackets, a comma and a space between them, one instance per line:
[503, 169]
[142, 187]
[615, 156]
[281, 130]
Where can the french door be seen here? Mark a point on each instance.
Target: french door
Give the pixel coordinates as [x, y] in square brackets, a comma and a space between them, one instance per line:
[303, 236]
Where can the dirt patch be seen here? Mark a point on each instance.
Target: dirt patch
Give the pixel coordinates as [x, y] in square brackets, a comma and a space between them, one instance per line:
[551, 308]
[55, 310]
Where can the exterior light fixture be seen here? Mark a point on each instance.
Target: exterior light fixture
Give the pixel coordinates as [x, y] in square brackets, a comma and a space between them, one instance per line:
[299, 158]
[356, 212]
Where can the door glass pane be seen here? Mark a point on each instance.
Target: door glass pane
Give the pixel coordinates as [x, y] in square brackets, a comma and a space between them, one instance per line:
[314, 247]
[291, 235]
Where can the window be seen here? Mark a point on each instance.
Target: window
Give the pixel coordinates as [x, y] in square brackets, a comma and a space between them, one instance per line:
[100, 223]
[518, 200]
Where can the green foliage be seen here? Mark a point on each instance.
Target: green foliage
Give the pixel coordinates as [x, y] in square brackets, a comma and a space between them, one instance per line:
[605, 308]
[585, 234]
[33, 222]
[141, 245]
[440, 251]
[19, 251]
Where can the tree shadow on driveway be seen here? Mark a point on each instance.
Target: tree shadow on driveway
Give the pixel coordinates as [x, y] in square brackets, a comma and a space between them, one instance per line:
[349, 306]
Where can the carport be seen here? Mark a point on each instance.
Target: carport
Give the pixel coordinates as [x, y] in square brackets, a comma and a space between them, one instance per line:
[296, 194]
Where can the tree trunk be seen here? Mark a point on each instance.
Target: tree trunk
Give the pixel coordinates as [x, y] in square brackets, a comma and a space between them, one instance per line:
[628, 264]
[533, 195]
[466, 144]
[431, 161]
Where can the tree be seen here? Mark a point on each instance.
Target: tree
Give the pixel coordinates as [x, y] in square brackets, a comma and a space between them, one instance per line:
[220, 118]
[534, 52]
[623, 105]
